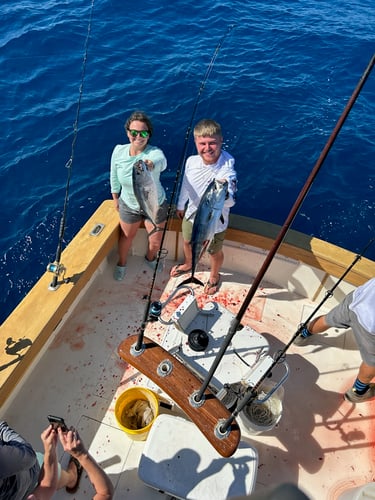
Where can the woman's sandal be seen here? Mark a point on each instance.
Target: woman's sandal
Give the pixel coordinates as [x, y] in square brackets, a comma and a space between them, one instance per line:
[210, 288]
[176, 271]
[74, 488]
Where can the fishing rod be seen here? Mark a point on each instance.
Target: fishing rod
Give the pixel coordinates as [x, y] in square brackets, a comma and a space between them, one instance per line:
[56, 267]
[329, 293]
[281, 353]
[189, 129]
[235, 324]
[155, 307]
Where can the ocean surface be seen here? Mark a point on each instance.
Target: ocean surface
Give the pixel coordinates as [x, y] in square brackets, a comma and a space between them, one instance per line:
[276, 75]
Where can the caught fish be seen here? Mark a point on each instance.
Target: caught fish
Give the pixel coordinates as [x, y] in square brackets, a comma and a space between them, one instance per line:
[205, 223]
[145, 190]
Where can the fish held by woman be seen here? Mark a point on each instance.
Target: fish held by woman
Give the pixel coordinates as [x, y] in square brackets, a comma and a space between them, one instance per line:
[145, 190]
[205, 224]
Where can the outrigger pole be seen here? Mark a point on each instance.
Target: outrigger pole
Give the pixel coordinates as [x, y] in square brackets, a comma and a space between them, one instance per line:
[278, 241]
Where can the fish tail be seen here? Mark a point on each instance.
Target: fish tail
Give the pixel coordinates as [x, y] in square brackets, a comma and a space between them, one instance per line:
[192, 279]
[155, 229]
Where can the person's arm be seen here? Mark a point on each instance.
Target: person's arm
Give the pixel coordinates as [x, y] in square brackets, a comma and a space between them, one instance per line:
[115, 197]
[73, 445]
[49, 473]
[232, 190]
[113, 178]
[229, 173]
[183, 196]
[155, 159]
[16, 454]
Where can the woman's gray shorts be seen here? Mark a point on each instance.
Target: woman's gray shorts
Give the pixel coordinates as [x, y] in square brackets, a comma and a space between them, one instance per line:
[130, 216]
[343, 317]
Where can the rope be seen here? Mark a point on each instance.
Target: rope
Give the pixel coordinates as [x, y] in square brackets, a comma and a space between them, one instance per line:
[178, 176]
[56, 267]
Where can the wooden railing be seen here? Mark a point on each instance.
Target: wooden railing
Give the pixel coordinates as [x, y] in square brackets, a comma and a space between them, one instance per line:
[32, 322]
[26, 332]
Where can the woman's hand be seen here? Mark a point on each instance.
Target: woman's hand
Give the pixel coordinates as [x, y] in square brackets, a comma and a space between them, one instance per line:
[49, 439]
[150, 164]
[116, 201]
[71, 442]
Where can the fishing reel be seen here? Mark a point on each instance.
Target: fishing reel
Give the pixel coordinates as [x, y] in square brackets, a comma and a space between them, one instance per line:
[55, 268]
[155, 310]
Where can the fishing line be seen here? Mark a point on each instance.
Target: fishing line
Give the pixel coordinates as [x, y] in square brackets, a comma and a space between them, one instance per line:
[56, 267]
[279, 239]
[280, 355]
[179, 171]
[209, 69]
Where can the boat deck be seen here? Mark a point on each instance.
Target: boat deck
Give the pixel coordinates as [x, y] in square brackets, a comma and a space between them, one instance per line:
[322, 443]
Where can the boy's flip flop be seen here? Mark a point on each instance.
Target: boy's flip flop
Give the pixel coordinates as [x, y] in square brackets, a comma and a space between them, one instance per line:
[210, 288]
[74, 488]
[176, 271]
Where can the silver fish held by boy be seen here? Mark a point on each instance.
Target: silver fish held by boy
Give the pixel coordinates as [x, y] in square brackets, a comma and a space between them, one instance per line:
[145, 190]
[205, 223]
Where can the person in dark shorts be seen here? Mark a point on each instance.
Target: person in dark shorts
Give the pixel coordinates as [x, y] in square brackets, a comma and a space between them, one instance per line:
[356, 311]
[29, 474]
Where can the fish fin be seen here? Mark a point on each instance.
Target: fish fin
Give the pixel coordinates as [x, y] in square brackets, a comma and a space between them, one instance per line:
[155, 229]
[192, 279]
[205, 245]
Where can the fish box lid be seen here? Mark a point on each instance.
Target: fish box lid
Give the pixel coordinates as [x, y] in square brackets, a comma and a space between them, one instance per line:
[177, 459]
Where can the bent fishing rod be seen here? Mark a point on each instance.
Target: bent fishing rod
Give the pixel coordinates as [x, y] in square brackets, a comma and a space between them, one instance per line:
[235, 324]
[156, 306]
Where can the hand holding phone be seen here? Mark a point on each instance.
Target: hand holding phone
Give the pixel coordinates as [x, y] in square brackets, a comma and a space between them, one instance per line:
[57, 422]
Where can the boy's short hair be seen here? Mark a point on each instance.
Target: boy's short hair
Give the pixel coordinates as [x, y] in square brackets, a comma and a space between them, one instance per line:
[207, 128]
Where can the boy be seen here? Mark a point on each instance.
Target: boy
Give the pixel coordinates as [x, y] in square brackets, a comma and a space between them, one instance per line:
[210, 163]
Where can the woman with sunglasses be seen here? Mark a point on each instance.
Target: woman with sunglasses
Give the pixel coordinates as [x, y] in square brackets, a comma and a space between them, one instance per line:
[138, 128]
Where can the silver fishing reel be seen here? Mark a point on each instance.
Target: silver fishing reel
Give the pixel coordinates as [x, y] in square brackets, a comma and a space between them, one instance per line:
[55, 268]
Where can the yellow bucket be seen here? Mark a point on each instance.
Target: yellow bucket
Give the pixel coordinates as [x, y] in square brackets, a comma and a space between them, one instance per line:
[136, 410]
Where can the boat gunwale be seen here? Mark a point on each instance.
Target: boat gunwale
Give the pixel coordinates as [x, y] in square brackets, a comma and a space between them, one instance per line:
[40, 314]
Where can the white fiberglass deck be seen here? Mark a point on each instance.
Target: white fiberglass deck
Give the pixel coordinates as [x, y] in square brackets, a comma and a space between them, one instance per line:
[322, 443]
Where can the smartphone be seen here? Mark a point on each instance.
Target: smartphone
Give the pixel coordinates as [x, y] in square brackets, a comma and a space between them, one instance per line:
[57, 422]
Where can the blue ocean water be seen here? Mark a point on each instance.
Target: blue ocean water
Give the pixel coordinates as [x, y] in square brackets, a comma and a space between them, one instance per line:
[280, 81]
